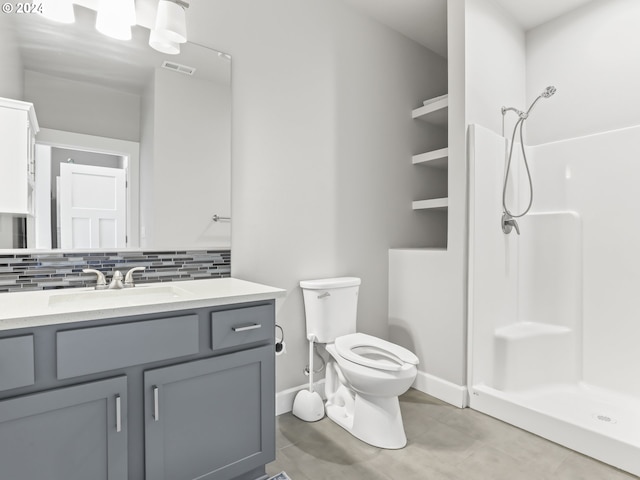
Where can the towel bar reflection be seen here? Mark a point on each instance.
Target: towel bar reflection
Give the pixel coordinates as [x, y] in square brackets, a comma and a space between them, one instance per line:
[218, 218]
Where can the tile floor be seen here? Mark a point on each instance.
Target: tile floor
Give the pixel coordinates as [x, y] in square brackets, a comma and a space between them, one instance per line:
[444, 443]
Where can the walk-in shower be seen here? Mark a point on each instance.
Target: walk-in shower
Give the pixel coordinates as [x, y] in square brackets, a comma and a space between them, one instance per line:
[553, 314]
[508, 217]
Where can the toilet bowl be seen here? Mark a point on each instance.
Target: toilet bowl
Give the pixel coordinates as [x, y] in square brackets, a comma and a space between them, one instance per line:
[373, 366]
[365, 374]
[363, 382]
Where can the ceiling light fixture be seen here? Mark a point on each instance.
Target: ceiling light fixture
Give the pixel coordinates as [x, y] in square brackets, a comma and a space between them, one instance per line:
[171, 22]
[115, 18]
[58, 10]
[161, 44]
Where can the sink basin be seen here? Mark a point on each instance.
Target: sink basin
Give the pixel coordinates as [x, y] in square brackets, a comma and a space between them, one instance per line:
[139, 295]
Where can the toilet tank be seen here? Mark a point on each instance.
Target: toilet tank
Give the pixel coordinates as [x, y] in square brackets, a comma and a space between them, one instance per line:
[331, 306]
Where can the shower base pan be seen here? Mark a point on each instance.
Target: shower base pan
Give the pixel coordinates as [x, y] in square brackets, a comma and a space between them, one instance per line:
[593, 421]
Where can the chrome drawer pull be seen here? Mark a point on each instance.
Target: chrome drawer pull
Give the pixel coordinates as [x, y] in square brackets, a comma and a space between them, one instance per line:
[118, 414]
[156, 400]
[248, 327]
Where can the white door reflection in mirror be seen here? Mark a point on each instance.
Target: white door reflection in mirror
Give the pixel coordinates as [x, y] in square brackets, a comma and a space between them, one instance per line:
[92, 206]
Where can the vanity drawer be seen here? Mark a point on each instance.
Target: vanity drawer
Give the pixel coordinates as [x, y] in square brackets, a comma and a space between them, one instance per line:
[99, 349]
[16, 362]
[239, 326]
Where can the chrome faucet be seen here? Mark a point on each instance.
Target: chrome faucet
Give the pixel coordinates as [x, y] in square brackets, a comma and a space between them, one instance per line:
[509, 223]
[116, 281]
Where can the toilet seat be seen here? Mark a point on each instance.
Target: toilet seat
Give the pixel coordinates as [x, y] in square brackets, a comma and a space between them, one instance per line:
[359, 348]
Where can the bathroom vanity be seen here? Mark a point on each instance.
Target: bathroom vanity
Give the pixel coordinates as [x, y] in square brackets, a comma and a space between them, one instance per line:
[165, 381]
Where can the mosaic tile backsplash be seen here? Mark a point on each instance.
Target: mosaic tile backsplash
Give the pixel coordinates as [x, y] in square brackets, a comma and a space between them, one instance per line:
[43, 271]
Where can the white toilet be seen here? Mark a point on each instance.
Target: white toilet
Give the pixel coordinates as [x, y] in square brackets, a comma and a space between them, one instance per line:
[366, 374]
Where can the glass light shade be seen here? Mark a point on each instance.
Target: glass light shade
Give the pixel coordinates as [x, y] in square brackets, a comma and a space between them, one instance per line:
[171, 21]
[162, 44]
[115, 18]
[58, 10]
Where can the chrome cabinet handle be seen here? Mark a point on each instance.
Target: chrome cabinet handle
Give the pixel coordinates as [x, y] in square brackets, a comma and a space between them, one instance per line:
[118, 414]
[156, 401]
[248, 327]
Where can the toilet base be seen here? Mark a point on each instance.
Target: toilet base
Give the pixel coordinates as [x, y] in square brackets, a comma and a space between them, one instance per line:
[374, 420]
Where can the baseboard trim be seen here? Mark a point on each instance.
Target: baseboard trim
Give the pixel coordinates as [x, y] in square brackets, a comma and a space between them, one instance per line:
[284, 399]
[444, 390]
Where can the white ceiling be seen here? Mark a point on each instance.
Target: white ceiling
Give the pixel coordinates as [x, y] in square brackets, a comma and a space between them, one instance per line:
[127, 64]
[531, 13]
[425, 21]
[79, 52]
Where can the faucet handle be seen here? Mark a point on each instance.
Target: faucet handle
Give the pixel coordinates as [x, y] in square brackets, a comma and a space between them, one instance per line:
[101, 282]
[509, 223]
[128, 279]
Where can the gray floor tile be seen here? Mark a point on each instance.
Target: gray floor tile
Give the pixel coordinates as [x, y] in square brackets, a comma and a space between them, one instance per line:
[444, 443]
[580, 467]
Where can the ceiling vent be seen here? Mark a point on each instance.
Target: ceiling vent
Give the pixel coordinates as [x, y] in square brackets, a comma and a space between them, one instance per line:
[176, 67]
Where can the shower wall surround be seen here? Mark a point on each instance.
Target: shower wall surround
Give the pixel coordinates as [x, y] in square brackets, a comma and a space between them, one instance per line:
[20, 272]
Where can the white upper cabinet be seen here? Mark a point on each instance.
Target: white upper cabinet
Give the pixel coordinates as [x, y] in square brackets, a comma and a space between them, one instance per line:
[18, 129]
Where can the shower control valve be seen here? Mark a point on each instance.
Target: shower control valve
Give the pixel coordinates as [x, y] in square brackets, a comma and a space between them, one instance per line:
[509, 223]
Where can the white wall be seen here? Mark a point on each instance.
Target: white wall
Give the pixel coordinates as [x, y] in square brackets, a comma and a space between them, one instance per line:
[291, 214]
[486, 71]
[494, 73]
[591, 56]
[12, 78]
[81, 107]
[493, 268]
[190, 164]
[597, 177]
[147, 142]
[11, 86]
[6, 231]
[380, 77]
[585, 163]
[495, 64]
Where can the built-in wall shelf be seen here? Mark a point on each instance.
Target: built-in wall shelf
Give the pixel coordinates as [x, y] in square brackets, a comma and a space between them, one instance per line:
[434, 180]
[434, 111]
[434, 158]
[431, 204]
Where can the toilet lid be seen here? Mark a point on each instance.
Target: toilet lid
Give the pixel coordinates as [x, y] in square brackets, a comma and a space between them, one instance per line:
[374, 352]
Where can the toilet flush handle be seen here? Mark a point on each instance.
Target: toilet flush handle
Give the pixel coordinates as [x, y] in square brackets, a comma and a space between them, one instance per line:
[324, 295]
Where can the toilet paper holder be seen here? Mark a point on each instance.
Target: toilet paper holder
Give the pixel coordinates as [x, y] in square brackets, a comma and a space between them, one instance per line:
[280, 346]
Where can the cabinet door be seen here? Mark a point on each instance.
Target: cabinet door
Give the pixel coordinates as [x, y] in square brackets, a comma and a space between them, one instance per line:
[13, 160]
[71, 433]
[210, 419]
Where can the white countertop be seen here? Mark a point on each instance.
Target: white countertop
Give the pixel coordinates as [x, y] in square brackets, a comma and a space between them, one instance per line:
[50, 307]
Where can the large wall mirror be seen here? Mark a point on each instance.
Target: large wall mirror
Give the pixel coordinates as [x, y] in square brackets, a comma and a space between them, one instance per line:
[122, 127]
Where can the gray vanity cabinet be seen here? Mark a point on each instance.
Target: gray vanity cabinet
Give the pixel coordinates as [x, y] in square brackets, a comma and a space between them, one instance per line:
[210, 419]
[71, 433]
[176, 395]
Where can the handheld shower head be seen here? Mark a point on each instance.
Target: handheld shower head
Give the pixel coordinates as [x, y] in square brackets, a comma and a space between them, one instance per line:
[549, 91]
